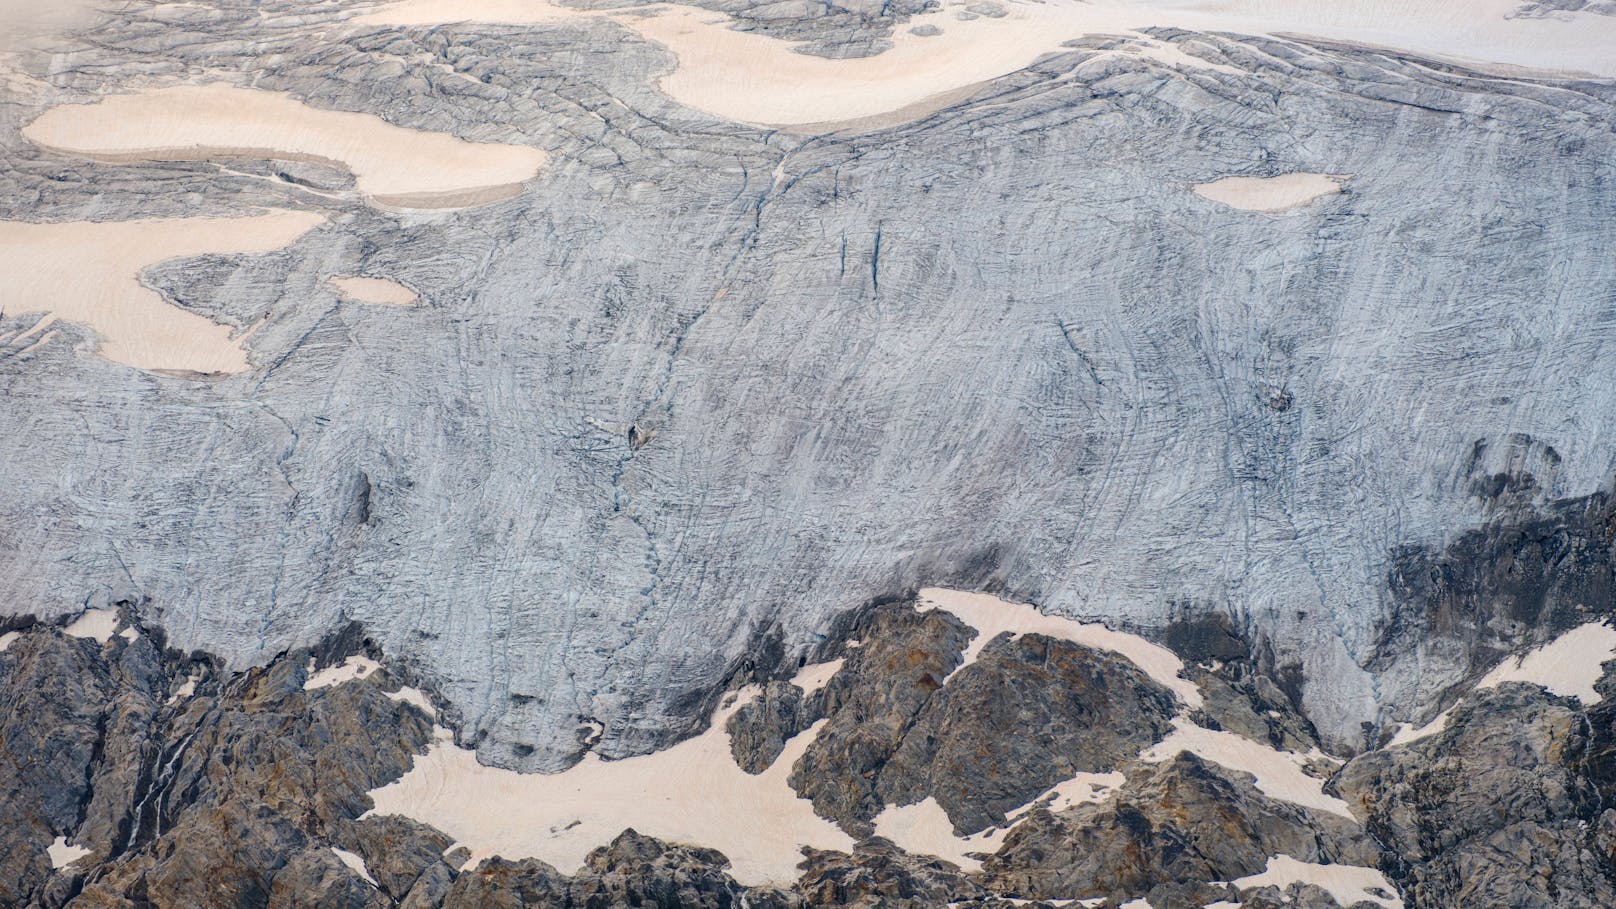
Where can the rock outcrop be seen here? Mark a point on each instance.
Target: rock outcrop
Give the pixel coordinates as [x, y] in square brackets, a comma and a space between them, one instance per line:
[138, 776]
[1173, 833]
[1507, 806]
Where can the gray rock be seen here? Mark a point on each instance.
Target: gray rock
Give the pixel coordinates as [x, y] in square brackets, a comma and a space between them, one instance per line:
[241, 792]
[902, 725]
[1170, 833]
[230, 798]
[1502, 807]
[54, 694]
[397, 850]
[759, 730]
[316, 879]
[637, 870]
[1518, 581]
[431, 888]
[878, 875]
[500, 884]
[1026, 715]
[872, 704]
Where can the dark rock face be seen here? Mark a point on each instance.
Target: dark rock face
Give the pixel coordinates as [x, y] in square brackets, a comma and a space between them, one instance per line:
[229, 796]
[878, 874]
[1240, 698]
[638, 870]
[759, 730]
[1530, 573]
[397, 851]
[903, 726]
[1026, 715]
[872, 703]
[193, 787]
[1171, 829]
[1504, 807]
[54, 693]
[501, 884]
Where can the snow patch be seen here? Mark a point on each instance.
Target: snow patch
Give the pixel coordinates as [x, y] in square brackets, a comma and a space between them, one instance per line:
[1407, 733]
[924, 828]
[991, 617]
[745, 76]
[1568, 666]
[184, 691]
[7, 638]
[757, 821]
[1080, 789]
[816, 676]
[392, 165]
[355, 864]
[414, 696]
[1346, 884]
[1279, 773]
[97, 624]
[354, 667]
[63, 854]
[1269, 194]
[88, 273]
[379, 291]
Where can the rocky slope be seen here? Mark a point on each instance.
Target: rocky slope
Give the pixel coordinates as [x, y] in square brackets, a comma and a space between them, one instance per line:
[701, 387]
[134, 775]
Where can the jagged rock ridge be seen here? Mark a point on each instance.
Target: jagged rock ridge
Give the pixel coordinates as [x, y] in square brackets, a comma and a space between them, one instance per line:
[183, 784]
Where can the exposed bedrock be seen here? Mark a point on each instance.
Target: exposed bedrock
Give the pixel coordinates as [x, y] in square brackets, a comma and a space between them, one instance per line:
[1173, 832]
[1509, 806]
[903, 726]
[182, 784]
[701, 386]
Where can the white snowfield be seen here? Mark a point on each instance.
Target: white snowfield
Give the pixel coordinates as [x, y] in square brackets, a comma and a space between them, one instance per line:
[381, 291]
[1269, 194]
[690, 793]
[63, 854]
[1279, 773]
[1082, 788]
[694, 792]
[355, 864]
[1347, 884]
[23, 21]
[88, 272]
[754, 78]
[95, 624]
[815, 676]
[395, 167]
[187, 689]
[1568, 666]
[991, 617]
[924, 828]
[354, 667]
[416, 696]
